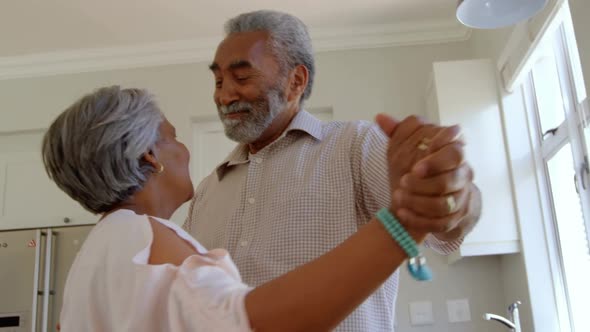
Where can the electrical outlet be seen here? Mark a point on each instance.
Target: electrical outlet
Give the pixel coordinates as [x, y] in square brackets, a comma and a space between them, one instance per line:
[458, 311]
[421, 313]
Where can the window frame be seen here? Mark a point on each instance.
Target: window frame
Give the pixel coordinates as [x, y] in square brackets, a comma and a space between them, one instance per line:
[571, 130]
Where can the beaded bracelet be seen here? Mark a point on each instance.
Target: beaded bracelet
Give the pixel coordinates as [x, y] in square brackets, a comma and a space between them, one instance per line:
[417, 266]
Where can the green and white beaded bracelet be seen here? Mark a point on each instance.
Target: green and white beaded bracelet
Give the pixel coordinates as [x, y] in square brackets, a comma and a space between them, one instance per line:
[417, 266]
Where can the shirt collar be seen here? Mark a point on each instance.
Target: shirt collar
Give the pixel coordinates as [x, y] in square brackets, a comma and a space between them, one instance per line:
[238, 156]
[307, 123]
[303, 122]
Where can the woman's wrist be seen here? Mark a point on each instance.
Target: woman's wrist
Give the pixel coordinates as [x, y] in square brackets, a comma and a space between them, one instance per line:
[408, 241]
[418, 235]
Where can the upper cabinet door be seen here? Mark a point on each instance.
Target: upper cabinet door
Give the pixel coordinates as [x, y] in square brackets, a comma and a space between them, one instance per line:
[28, 198]
[466, 93]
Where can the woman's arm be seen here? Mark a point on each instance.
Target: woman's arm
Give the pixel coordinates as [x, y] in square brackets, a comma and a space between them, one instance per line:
[315, 296]
[320, 294]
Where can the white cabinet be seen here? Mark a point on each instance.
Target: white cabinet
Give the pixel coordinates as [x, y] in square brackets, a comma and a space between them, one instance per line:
[28, 199]
[466, 93]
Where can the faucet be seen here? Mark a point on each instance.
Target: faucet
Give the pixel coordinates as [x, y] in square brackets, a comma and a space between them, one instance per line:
[513, 323]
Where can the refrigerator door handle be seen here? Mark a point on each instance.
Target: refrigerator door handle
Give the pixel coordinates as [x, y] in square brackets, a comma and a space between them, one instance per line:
[47, 279]
[54, 234]
[51, 289]
[36, 291]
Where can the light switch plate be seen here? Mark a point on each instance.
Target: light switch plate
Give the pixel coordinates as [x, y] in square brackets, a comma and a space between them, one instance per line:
[421, 313]
[458, 311]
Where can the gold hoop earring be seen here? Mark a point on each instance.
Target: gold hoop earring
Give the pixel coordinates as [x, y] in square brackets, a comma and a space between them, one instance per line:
[161, 169]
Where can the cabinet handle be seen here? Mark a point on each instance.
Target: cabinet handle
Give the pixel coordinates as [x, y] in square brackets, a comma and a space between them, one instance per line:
[67, 220]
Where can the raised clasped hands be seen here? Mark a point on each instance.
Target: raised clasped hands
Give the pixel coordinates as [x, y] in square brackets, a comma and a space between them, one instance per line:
[431, 184]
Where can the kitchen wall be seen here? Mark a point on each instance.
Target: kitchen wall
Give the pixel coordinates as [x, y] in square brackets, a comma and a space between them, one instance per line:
[477, 279]
[355, 84]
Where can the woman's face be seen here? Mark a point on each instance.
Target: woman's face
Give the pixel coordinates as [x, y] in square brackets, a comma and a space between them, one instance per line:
[174, 156]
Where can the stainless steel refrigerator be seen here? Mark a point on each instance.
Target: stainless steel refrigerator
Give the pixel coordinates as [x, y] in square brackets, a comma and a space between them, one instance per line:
[34, 265]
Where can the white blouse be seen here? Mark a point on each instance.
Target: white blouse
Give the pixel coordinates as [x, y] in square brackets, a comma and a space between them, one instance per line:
[111, 286]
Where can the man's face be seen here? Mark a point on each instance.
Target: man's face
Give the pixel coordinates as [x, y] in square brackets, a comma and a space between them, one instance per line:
[249, 92]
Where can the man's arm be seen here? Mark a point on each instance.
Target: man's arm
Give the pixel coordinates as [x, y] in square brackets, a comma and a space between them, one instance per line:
[369, 171]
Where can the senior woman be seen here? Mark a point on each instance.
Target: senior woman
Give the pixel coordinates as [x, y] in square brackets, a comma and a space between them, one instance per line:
[115, 153]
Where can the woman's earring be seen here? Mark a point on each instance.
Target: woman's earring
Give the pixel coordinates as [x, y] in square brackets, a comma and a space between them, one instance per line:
[161, 169]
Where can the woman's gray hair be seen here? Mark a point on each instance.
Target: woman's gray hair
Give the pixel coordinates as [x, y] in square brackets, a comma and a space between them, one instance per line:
[289, 39]
[93, 150]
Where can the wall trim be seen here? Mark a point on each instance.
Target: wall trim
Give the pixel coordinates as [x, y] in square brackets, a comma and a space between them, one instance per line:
[198, 50]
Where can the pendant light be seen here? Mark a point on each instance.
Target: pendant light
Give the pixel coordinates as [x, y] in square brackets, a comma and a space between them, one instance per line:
[493, 14]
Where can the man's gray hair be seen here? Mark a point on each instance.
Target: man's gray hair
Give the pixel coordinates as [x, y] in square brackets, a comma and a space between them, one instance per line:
[289, 38]
[93, 150]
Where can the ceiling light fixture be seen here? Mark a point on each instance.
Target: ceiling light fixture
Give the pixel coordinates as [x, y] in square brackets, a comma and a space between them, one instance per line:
[493, 14]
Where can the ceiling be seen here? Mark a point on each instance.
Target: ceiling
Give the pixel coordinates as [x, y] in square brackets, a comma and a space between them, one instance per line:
[42, 26]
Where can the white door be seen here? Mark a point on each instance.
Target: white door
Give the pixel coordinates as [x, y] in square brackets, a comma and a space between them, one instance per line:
[28, 199]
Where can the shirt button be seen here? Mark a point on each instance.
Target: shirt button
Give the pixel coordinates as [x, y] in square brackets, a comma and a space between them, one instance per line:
[251, 200]
[258, 160]
[243, 243]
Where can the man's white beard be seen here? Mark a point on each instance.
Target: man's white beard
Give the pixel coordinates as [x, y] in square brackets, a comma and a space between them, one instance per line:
[259, 116]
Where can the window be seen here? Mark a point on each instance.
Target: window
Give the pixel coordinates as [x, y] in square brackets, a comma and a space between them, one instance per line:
[559, 126]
